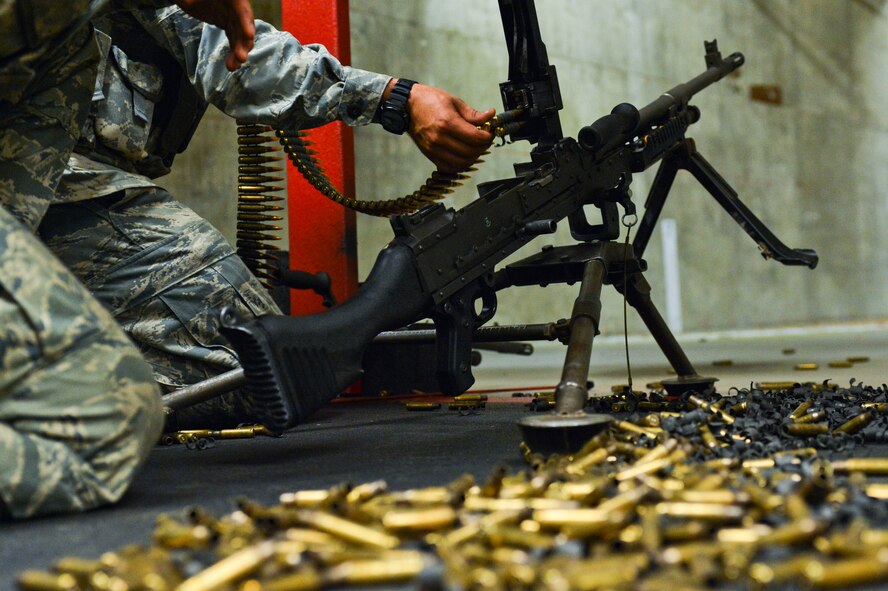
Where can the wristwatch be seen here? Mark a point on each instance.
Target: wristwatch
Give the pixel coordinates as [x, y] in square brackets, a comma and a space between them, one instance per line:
[393, 112]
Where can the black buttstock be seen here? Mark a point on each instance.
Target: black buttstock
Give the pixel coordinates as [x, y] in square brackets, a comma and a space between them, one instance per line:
[295, 365]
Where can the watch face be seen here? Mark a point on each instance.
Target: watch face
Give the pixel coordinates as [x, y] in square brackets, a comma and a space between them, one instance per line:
[393, 121]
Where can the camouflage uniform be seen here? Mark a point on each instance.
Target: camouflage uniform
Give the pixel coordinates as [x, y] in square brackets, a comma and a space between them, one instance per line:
[162, 271]
[78, 408]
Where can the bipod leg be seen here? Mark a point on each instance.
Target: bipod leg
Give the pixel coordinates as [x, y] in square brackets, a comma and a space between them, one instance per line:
[727, 197]
[655, 201]
[638, 295]
[569, 427]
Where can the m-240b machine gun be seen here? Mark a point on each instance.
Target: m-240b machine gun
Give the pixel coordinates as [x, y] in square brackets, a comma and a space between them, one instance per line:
[442, 263]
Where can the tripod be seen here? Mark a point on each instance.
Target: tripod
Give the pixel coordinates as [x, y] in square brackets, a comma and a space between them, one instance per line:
[598, 260]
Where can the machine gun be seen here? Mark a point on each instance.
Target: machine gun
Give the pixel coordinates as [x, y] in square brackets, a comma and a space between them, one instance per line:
[442, 263]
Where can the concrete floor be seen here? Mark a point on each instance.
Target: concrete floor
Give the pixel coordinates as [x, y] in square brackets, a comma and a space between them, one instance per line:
[754, 356]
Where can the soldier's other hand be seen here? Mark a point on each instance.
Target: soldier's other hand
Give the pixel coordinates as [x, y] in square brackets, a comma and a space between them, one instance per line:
[445, 128]
[235, 17]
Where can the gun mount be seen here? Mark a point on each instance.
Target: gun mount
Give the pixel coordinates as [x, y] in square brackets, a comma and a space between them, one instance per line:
[443, 263]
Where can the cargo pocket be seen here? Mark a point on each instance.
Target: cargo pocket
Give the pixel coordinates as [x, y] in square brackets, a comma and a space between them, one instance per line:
[123, 116]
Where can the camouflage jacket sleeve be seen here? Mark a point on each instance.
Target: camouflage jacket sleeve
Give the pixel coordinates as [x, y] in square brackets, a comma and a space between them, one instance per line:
[284, 83]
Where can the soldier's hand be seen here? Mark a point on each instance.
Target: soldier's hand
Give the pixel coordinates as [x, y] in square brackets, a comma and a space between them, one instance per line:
[235, 17]
[445, 128]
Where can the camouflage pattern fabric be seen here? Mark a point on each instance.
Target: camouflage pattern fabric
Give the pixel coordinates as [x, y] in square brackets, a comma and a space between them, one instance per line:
[40, 124]
[78, 408]
[166, 68]
[164, 273]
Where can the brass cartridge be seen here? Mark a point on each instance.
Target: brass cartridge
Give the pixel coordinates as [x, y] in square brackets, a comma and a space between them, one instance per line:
[304, 580]
[806, 366]
[404, 567]
[698, 402]
[704, 511]
[871, 466]
[775, 573]
[856, 424]
[33, 580]
[807, 429]
[230, 569]
[421, 406]
[709, 439]
[794, 532]
[851, 572]
[470, 398]
[881, 407]
[801, 409]
[811, 417]
[348, 530]
[647, 468]
[419, 520]
[776, 385]
[877, 491]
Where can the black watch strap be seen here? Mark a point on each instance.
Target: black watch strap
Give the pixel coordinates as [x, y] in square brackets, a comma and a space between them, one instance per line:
[393, 112]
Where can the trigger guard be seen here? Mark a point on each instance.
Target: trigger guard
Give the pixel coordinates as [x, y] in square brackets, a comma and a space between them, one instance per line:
[488, 306]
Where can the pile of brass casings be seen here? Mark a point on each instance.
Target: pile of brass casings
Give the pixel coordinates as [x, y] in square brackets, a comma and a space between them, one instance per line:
[639, 507]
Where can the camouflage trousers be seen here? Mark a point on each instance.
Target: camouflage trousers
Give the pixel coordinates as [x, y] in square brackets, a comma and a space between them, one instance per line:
[78, 408]
[164, 273]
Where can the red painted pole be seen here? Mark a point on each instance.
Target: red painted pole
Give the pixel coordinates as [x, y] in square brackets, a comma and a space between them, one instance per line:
[323, 233]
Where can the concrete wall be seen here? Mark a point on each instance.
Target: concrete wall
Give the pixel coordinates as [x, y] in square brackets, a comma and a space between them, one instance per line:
[812, 167]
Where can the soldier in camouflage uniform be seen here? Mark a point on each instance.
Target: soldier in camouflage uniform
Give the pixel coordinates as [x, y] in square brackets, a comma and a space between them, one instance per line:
[162, 271]
[78, 406]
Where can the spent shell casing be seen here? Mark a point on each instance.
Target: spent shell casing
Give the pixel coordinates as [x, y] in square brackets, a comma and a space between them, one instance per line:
[840, 364]
[805, 366]
[404, 567]
[425, 519]
[775, 573]
[859, 359]
[869, 466]
[776, 385]
[844, 574]
[348, 530]
[801, 409]
[856, 424]
[704, 511]
[794, 532]
[237, 565]
[806, 429]
[470, 398]
[422, 406]
[812, 417]
[34, 580]
[877, 491]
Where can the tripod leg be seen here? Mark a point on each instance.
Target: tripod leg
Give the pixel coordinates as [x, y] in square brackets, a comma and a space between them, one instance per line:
[638, 295]
[571, 393]
[656, 199]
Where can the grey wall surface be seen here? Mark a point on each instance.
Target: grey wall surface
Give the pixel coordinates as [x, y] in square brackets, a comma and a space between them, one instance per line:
[812, 167]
